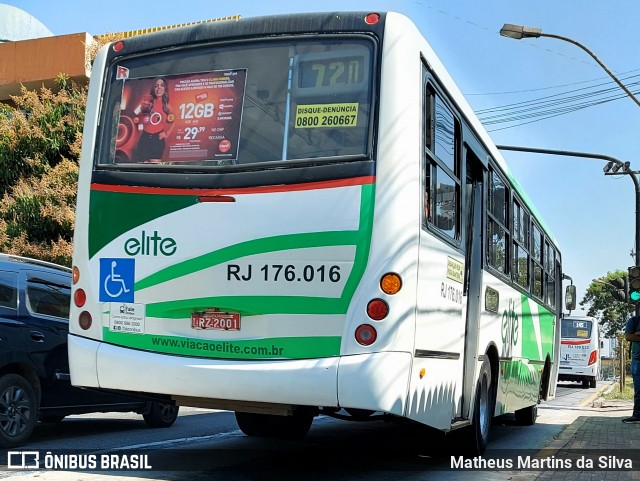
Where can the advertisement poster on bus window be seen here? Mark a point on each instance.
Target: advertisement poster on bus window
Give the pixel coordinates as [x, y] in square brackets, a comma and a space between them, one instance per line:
[186, 118]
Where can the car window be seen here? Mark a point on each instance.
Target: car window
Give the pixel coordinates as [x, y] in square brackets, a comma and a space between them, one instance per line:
[9, 289]
[48, 299]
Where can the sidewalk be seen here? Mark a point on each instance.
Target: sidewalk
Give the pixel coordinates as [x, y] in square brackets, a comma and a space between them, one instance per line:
[598, 445]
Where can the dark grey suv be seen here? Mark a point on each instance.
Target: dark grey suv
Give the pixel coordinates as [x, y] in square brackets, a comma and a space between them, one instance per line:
[34, 367]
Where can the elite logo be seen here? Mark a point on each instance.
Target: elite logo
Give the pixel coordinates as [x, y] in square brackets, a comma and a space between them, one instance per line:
[150, 245]
[510, 325]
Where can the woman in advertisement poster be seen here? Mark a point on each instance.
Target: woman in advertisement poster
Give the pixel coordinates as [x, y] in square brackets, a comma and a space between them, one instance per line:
[155, 119]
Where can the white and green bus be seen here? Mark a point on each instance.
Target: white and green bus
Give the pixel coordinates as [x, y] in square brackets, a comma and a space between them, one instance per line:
[297, 215]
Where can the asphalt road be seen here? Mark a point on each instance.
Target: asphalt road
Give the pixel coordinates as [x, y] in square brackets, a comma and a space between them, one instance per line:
[203, 443]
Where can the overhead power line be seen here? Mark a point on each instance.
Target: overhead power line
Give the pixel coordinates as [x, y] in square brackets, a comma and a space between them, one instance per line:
[542, 108]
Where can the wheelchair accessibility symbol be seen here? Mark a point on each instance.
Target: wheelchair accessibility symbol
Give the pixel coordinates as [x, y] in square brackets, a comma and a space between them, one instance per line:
[117, 277]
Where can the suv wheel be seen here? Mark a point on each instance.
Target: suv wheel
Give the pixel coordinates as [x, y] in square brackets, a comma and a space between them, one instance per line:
[160, 415]
[18, 410]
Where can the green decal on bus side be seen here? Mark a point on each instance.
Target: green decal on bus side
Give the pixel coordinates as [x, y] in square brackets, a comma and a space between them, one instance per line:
[114, 213]
[536, 341]
[519, 384]
[265, 348]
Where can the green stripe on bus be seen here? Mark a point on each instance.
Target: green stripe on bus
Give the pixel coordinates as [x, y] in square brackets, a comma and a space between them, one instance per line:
[249, 306]
[255, 305]
[265, 348]
[114, 213]
[244, 249]
[529, 338]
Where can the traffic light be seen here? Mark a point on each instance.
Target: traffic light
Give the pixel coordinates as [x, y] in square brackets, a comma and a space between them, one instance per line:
[634, 284]
[621, 285]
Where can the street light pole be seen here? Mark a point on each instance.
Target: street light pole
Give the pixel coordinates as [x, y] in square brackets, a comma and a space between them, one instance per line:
[622, 168]
[519, 32]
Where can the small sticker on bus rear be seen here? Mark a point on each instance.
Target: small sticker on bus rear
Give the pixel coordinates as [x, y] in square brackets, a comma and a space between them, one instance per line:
[126, 317]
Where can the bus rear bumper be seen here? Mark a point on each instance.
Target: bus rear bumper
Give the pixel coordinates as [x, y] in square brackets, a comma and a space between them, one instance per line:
[298, 382]
[375, 381]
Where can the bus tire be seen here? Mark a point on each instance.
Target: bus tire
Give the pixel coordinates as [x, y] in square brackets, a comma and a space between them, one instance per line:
[269, 425]
[476, 437]
[527, 416]
[592, 383]
[18, 410]
[160, 415]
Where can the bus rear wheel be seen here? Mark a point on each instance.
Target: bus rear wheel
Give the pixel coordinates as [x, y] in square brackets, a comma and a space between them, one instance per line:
[475, 437]
[160, 415]
[527, 416]
[268, 425]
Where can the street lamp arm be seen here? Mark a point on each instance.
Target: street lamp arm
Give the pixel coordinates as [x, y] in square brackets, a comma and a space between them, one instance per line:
[594, 57]
[587, 155]
[631, 173]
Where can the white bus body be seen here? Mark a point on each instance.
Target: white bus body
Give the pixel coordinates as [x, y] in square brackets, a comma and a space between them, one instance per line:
[343, 238]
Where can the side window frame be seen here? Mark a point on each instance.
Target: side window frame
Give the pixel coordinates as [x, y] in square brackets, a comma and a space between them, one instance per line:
[434, 169]
[496, 225]
[521, 238]
[550, 256]
[537, 261]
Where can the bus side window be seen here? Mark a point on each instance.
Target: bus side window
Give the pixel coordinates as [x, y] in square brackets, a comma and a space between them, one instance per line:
[442, 189]
[497, 215]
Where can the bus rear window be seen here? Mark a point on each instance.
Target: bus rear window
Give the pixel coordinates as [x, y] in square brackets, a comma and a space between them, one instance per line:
[575, 329]
[240, 104]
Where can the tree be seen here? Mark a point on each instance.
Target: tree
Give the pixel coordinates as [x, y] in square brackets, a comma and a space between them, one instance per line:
[40, 141]
[613, 314]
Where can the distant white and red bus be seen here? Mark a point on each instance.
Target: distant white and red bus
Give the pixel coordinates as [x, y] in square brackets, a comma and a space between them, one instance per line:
[580, 351]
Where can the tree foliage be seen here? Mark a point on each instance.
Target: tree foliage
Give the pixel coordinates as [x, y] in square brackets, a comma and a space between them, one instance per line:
[612, 313]
[40, 139]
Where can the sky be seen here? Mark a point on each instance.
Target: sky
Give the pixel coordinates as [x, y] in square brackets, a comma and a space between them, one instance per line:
[591, 215]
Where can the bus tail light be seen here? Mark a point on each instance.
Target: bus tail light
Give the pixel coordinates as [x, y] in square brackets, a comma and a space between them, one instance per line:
[85, 320]
[377, 309]
[372, 18]
[80, 297]
[366, 334]
[390, 283]
[593, 357]
[75, 276]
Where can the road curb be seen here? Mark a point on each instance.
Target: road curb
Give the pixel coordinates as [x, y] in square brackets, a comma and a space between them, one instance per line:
[590, 400]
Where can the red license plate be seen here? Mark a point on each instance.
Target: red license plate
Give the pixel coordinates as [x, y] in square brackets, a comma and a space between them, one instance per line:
[224, 321]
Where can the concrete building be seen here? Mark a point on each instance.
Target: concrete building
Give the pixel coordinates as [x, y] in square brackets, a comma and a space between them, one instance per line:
[31, 56]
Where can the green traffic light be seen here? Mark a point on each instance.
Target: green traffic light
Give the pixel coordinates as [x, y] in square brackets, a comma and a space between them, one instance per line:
[634, 296]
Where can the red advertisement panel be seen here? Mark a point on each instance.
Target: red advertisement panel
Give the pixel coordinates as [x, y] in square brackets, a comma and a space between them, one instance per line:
[191, 117]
